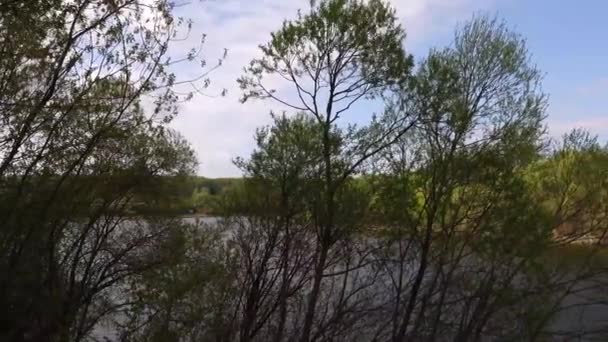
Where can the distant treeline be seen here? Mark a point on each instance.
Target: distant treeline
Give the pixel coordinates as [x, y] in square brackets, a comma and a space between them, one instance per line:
[182, 195]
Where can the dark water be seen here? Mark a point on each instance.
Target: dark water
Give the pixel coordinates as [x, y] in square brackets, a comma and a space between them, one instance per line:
[582, 316]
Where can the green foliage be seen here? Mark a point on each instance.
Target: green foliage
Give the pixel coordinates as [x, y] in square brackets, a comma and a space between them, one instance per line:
[338, 52]
[365, 35]
[181, 195]
[571, 184]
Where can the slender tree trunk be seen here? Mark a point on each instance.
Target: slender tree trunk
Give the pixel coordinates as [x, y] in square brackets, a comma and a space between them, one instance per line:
[314, 294]
[284, 289]
[417, 285]
[325, 236]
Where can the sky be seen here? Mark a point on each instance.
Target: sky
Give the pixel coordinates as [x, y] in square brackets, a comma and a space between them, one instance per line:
[568, 41]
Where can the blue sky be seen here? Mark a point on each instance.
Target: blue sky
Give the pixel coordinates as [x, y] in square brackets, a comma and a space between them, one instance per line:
[568, 41]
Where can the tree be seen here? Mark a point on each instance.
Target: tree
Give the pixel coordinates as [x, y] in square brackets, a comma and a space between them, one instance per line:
[480, 112]
[86, 91]
[467, 235]
[271, 219]
[332, 57]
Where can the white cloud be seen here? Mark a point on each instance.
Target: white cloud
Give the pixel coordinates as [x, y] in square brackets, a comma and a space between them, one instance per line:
[221, 128]
[424, 19]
